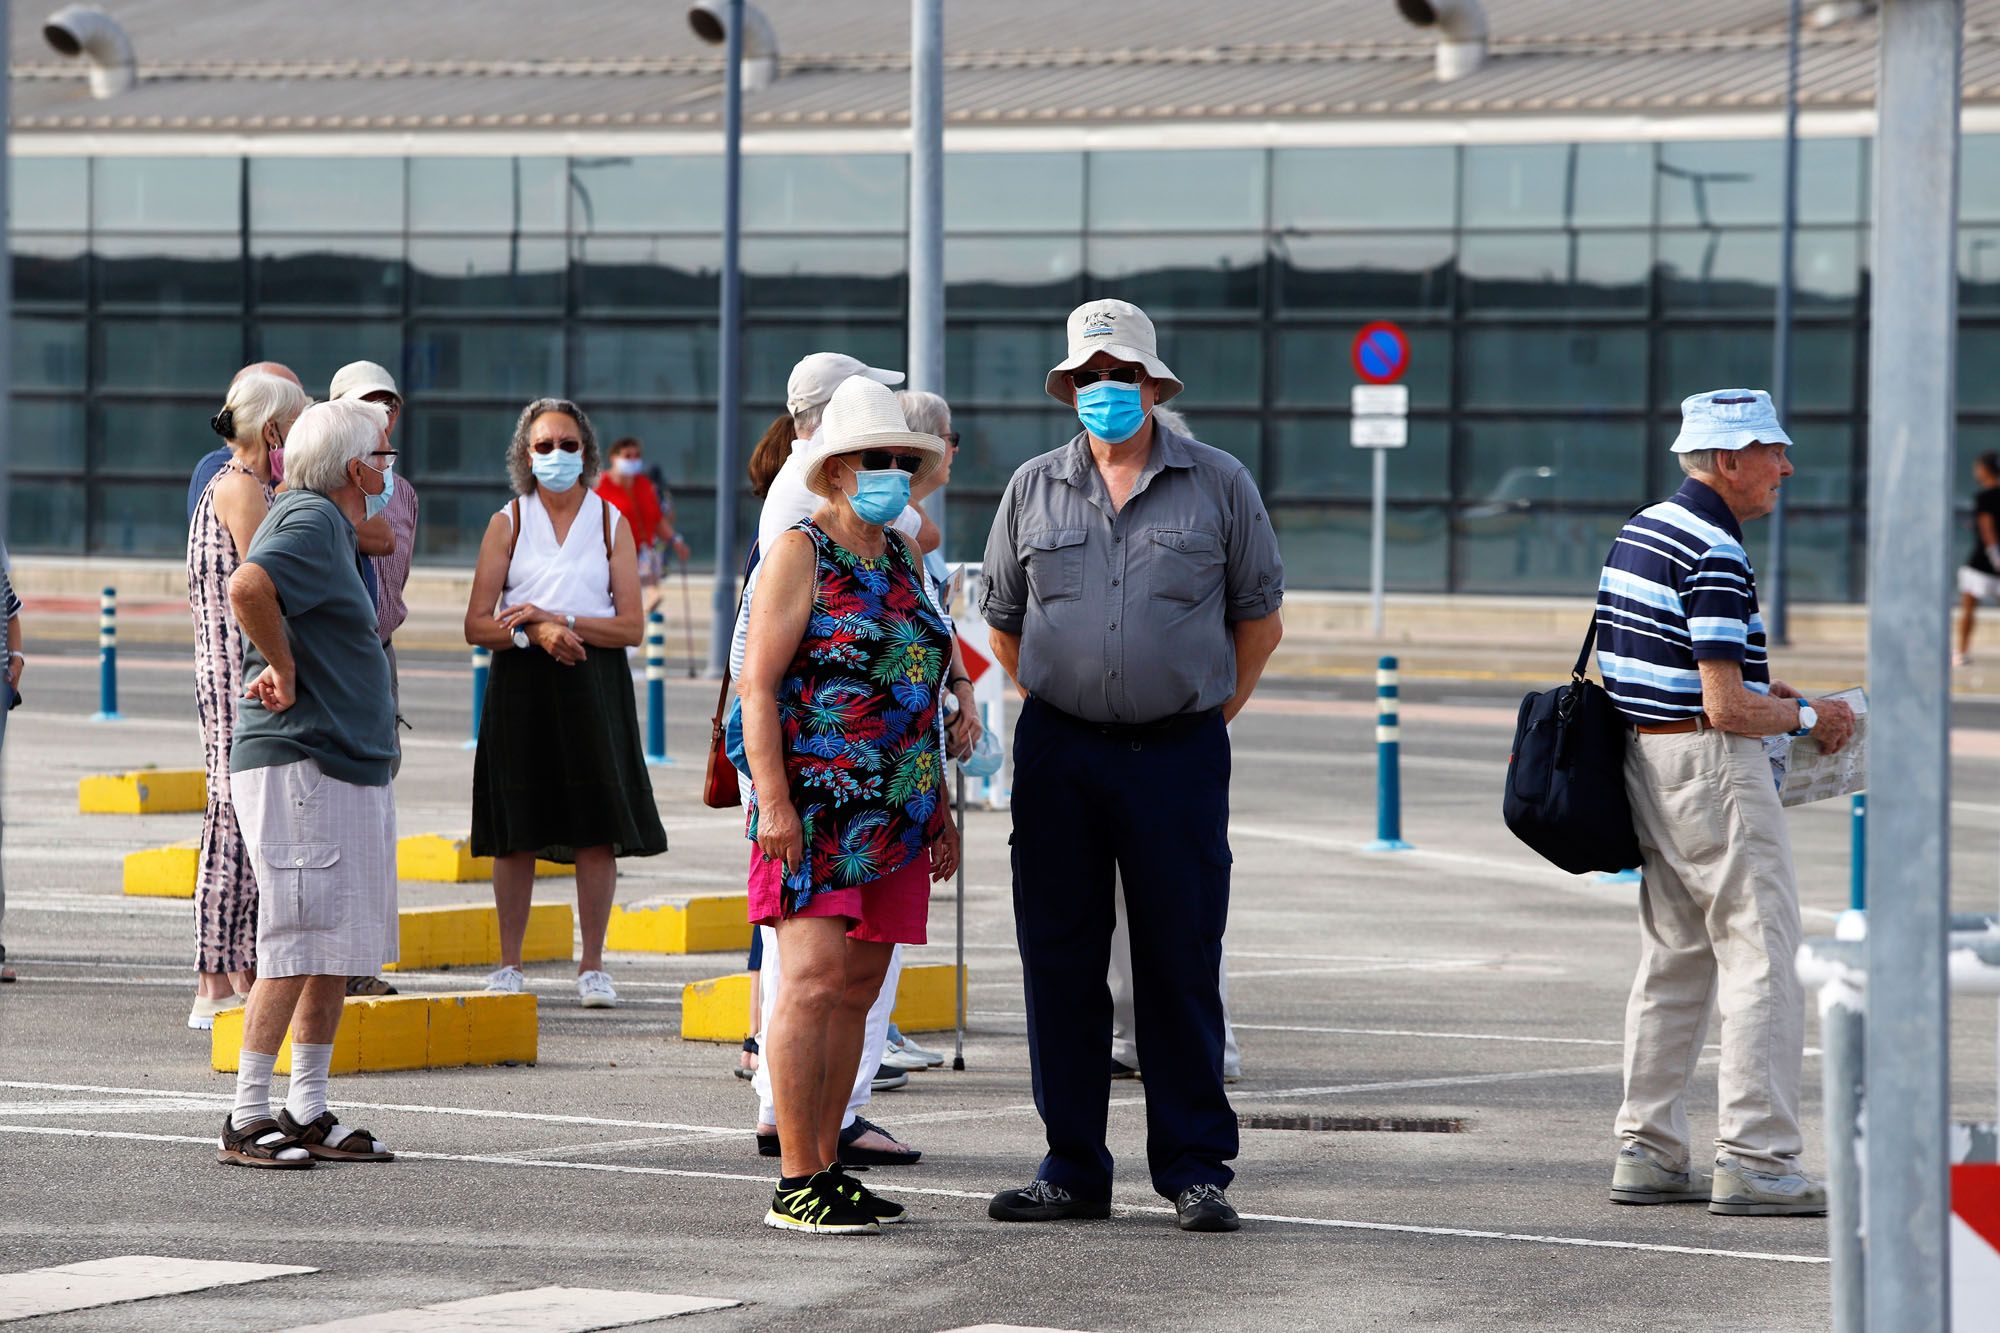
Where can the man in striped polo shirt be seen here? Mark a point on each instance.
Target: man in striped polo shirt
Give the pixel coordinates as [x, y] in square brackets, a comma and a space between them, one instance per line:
[1680, 645]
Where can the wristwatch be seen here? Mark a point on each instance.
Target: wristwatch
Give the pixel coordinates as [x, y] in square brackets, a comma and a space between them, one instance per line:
[569, 623]
[1808, 719]
[520, 638]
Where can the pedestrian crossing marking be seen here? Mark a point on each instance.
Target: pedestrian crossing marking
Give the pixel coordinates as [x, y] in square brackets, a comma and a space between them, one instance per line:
[129, 1277]
[544, 1309]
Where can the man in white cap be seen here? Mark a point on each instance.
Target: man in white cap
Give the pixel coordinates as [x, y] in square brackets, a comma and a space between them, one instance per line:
[1133, 587]
[1680, 644]
[389, 537]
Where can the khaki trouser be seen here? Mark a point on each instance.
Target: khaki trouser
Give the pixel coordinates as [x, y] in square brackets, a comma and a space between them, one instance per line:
[1719, 924]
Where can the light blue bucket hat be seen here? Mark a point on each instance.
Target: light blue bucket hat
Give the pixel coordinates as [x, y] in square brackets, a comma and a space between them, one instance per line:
[1728, 419]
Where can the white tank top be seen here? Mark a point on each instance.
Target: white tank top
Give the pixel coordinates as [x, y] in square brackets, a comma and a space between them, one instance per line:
[571, 579]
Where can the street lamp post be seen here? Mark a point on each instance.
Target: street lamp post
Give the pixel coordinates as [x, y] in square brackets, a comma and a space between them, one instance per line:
[926, 351]
[1778, 621]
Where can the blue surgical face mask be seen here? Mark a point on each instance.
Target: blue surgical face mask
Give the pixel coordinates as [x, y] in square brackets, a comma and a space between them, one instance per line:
[1110, 410]
[558, 470]
[375, 504]
[880, 496]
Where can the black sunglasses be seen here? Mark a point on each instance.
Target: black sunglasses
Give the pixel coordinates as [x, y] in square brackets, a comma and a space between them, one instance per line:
[950, 437]
[550, 446]
[1083, 379]
[878, 460]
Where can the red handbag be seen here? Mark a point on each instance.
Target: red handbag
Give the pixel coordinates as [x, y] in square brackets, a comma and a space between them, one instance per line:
[719, 789]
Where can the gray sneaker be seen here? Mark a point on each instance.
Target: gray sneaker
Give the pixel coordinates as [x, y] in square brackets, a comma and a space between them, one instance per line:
[1742, 1191]
[1637, 1178]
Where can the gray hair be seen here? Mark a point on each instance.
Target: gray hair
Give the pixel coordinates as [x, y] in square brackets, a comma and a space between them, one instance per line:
[925, 412]
[1699, 462]
[805, 421]
[326, 438]
[521, 471]
[256, 400]
[1172, 420]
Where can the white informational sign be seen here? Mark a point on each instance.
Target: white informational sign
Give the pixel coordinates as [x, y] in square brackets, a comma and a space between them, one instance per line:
[1380, 400]
[1380, 432]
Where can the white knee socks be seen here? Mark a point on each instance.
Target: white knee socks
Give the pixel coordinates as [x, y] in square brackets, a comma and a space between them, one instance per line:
[253, 1088]
[306, 1098]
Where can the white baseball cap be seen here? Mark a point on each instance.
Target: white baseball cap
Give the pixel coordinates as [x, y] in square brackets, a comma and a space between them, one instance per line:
[357, 379]
[1119, 328]
[817, 375]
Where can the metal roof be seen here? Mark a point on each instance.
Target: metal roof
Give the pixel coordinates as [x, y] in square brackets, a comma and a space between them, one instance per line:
[273, 65]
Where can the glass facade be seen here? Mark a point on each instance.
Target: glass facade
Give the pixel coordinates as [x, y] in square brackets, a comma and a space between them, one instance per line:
[1560, 298]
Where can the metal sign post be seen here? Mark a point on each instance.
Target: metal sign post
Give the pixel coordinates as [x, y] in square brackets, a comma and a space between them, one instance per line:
[1381, 408]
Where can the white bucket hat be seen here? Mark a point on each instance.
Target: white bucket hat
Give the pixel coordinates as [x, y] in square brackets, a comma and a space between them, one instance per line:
[1117, 327]
[864, 414]
[1728, 419]
[818, 374]
[357, 379]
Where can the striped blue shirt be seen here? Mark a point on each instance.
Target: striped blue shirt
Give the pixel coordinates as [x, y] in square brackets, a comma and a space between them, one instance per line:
[1676, 590]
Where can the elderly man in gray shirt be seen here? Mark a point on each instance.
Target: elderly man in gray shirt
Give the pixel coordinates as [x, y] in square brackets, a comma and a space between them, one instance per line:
[1132, 586]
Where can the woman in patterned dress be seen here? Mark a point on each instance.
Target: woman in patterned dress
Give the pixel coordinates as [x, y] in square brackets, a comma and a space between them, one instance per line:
[844, 664]
[253, 422]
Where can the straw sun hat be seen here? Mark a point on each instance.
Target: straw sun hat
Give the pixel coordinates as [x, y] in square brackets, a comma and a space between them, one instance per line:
[863, 414]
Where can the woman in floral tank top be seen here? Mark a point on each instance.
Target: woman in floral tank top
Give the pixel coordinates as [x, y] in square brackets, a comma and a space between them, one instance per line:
[841, 681]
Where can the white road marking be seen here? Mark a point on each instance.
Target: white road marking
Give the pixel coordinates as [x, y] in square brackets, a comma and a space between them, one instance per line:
[544, 1309]
[1450, 1036]
[765, 1181]
[130, 1277]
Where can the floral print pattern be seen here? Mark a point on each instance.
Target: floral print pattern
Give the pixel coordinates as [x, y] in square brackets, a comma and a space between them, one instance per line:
[858, 710]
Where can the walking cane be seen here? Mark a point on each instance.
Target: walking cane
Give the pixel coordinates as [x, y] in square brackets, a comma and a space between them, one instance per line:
[687, 616]
[958, 1054]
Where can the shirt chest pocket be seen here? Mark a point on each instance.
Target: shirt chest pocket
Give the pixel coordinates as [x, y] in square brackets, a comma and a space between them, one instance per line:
[1053, 558]
[1186, 564]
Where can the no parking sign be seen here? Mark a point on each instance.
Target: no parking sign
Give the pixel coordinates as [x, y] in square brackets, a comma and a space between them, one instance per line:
[1381, 352]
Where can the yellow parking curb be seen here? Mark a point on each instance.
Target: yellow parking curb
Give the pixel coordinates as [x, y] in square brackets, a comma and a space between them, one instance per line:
[409, 1032]
[447, 860]
[719, 1009]
[163, 872]
[149, 791]
[468, 934]
[702, 923]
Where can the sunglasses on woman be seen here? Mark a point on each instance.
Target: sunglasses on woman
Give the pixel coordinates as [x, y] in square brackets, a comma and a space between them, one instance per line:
[880, 460]
[1083, 379]
[550, 446]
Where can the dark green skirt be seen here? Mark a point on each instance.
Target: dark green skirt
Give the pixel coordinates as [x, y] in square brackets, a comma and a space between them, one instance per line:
[559, 764]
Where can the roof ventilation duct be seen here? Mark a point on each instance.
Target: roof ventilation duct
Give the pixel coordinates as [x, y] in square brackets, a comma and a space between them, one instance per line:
[88, 31]
[1461, 28]
[710, 21]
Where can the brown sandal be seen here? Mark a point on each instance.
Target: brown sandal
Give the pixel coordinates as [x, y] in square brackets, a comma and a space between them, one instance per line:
[258, 1144]
[356, 1146]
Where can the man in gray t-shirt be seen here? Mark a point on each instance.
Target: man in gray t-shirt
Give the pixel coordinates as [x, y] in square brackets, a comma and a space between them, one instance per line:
[309, 773]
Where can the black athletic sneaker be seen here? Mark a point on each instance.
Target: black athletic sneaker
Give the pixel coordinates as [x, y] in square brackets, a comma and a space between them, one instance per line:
[877, 1207]
[819, 1203]
[1039, 1201]
[1205, 1208]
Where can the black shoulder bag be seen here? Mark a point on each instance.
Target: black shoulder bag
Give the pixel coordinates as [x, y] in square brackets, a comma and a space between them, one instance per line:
[1566, 776]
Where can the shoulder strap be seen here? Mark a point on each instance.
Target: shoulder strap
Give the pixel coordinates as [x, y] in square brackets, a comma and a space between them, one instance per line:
[1589, 642]
[604, 508]
[514, 515]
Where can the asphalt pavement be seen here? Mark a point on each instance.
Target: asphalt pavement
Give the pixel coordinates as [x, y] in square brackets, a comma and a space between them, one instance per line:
[1462, 981]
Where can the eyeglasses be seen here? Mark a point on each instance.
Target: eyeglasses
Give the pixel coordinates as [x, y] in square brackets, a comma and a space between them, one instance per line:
[950, 437]
[1083, 379]
[879, 460]
[383, 398]
[568, 446]
[388, 457]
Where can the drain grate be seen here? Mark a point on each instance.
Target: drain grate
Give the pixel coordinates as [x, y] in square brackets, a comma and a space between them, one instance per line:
[1384, 1124]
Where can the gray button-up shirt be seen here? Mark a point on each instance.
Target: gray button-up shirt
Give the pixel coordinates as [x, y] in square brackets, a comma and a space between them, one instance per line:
[1124, 614]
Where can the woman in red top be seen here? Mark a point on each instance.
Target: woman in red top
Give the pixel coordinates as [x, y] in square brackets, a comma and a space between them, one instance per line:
[626, 488]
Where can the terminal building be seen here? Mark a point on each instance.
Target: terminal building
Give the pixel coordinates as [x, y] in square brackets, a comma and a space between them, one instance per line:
[509, 200]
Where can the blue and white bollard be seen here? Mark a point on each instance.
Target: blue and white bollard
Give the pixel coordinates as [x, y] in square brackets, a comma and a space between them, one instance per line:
[1388, 771]
[656, 689]
[107, 658]
[482, 664]
[1857, 883]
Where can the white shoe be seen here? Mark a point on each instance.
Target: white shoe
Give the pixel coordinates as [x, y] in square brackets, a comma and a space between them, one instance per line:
[201, 1018]
[508, 980]
[594, 989]
[901, 1057]
[931, 1059]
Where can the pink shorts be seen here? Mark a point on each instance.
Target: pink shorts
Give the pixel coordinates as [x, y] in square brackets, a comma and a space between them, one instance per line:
[894, 909]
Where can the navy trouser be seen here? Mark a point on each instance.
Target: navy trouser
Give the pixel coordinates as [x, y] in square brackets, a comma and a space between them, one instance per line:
[1154, 807]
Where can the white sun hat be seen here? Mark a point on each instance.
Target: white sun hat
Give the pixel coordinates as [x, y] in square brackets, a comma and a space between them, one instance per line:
[1119, 328]
[818, 374]
[864, 414]
[357, 379]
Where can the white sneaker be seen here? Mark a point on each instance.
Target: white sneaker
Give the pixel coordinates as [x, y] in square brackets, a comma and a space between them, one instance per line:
[931, 1059]
[508, 980]
[1744, 1191]
[595, 990]
[901, 1057]
[201, 1018]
